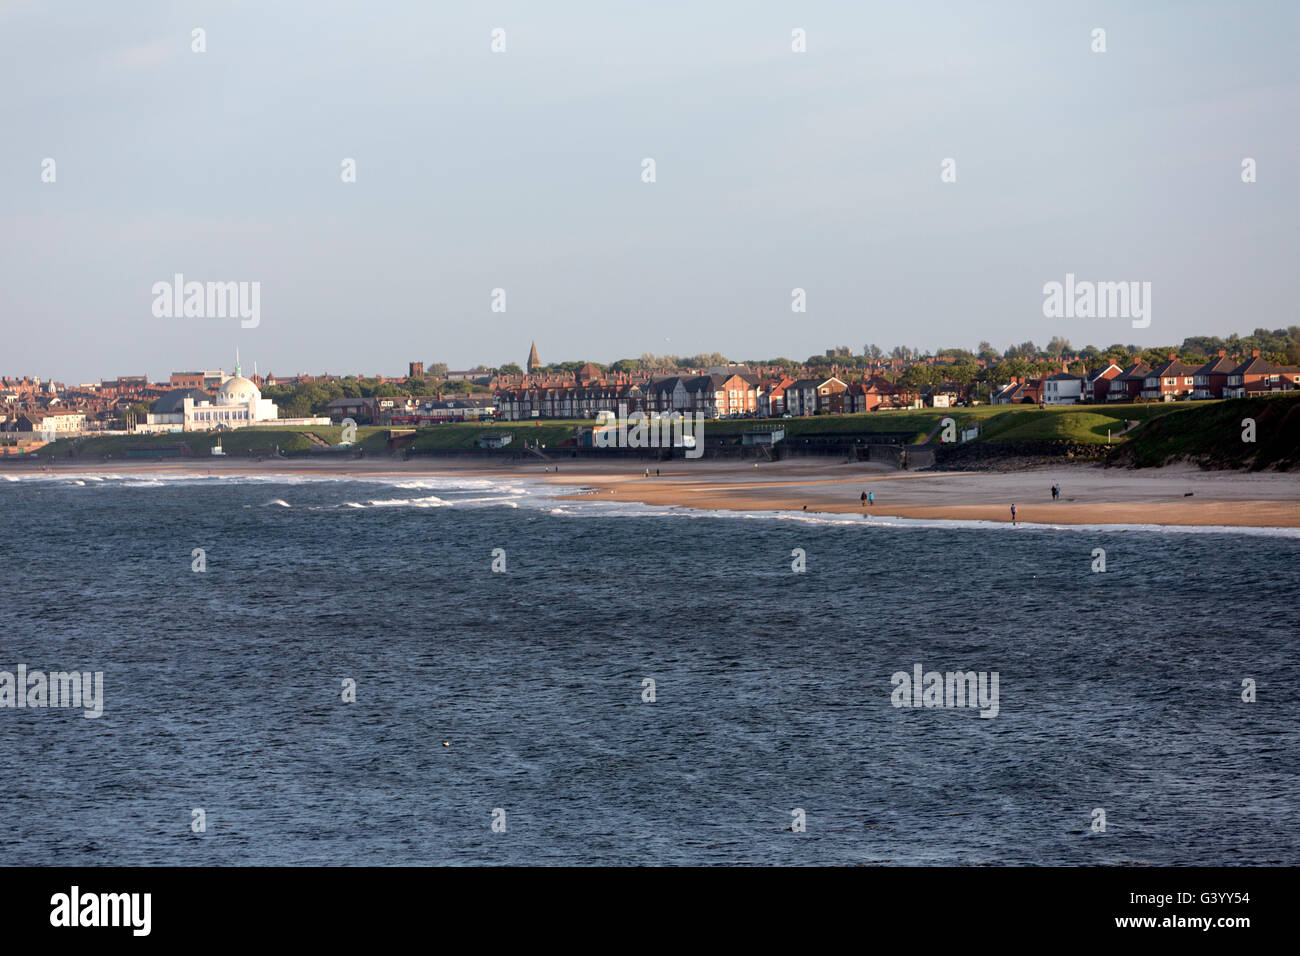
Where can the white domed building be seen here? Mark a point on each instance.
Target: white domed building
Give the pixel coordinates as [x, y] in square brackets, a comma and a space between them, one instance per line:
[237, 404]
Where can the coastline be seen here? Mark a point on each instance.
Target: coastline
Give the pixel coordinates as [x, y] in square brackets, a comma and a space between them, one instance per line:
[1090, 494]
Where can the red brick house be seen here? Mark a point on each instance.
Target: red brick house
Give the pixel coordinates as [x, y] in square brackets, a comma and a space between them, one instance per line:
[1127, 386]
[1017, 392]
[1258, 377]
[1096, 385]
[1168, 382]
[1210, 379]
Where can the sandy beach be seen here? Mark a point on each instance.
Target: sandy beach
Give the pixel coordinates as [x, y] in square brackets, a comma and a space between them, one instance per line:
[1090, 494]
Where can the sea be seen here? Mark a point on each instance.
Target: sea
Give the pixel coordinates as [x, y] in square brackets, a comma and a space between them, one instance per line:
[470, 671]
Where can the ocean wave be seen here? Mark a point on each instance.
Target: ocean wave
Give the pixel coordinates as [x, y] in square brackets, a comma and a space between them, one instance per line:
[155, 479]
[430, 501]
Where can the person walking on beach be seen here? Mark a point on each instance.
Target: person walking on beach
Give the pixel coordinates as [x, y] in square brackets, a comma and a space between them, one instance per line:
[1013, 514]
[864, 499]
[871, 497]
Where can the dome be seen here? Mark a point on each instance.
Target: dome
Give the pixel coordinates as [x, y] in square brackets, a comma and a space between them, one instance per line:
[237, 391]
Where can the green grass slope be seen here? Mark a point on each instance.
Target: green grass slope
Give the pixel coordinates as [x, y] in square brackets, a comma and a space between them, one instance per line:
[1211, 435]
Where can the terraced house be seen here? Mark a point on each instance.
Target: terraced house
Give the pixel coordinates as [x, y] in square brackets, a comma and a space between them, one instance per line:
[714, 396]
[876, 393]
[1259, 377]
[1127, 386]
[1210, 379]
[1096, 385]
[771, 397]
[575, 401]
[1168, 382]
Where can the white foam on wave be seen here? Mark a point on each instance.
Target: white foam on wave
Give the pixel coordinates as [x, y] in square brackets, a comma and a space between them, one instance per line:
[277, 503]
[430, 501]
[440, 483]
[142, 479]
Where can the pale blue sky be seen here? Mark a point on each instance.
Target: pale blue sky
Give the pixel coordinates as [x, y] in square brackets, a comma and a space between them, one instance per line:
[522, 170]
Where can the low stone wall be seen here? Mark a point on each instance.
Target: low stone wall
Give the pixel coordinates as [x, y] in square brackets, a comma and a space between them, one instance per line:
[1014, 455]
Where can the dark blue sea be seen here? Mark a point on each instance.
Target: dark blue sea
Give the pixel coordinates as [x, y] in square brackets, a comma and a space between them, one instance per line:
[222, 689]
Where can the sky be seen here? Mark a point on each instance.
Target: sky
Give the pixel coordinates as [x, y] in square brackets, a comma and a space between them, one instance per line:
[522, 170]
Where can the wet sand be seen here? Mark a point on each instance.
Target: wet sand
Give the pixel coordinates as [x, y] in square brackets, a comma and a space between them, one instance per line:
[1090, 494]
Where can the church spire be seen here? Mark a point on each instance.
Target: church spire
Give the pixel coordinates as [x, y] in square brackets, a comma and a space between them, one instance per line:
[534, 363]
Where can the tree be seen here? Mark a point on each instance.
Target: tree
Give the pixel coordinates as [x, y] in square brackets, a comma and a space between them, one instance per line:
[1025, 350]
[919, 376]
[963, 373]
[1058, 346]
[1156, 357]
[510, 368]
[650, 360]
[138, 412]
[435, 370]
[1010, 369]
[308, 399]
[1121, 355]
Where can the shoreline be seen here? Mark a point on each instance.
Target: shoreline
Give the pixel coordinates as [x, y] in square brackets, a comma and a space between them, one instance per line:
[1090, 494]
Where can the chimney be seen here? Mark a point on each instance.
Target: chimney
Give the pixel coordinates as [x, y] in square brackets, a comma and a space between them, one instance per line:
[1254, 353]
[1223, 353]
